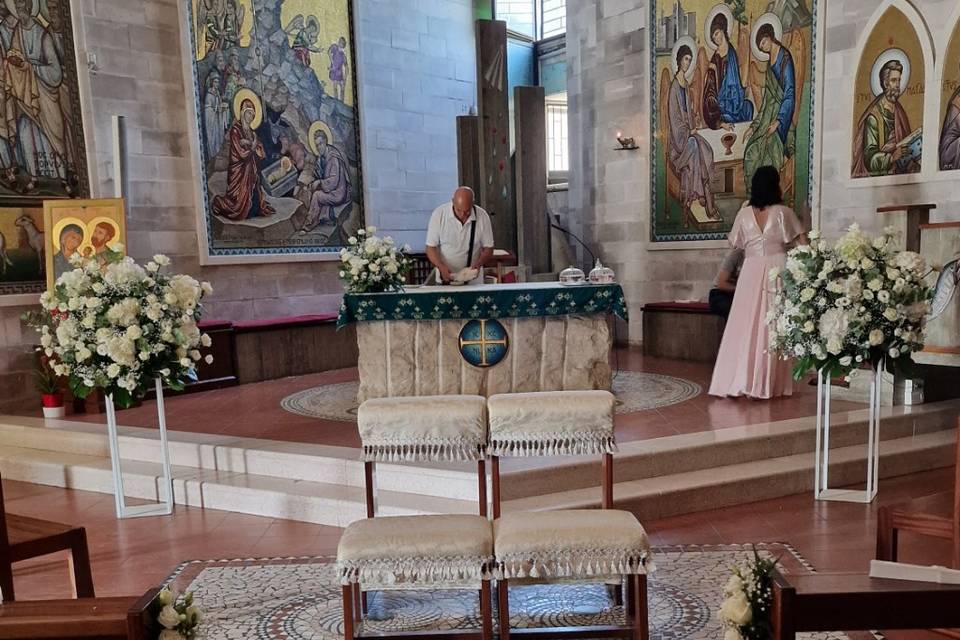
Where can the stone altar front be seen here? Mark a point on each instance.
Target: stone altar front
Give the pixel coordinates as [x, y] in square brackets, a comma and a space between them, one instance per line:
[558, 338]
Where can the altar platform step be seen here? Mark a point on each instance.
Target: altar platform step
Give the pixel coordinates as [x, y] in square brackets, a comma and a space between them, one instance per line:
[758, 443]
[305, 501]
[733, 484]
[323, 484]
[309, 483]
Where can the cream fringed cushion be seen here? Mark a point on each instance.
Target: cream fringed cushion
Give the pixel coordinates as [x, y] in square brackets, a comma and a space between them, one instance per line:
[416, 428]
[416, 550]
[571, 543]
[547, 423]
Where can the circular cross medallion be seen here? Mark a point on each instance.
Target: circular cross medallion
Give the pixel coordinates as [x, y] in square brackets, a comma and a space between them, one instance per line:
[483, 343]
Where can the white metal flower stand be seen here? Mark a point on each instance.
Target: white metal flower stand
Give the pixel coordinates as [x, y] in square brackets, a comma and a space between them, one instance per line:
[164, 508]
[822, 490]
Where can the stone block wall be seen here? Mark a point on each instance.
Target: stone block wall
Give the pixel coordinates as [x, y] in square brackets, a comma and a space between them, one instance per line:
[417, 72]
[608, 90]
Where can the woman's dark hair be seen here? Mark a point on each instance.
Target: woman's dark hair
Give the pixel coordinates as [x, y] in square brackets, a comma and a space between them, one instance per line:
[684, 50]
[765, 188]
[766, 30]
[719, 22]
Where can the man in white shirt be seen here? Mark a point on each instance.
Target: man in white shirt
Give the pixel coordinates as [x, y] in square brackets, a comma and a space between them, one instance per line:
[459, 235]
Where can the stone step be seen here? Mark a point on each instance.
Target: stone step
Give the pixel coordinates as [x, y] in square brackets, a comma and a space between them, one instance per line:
[268, 458]
[306, 501]
[661, 457]
[721, 486]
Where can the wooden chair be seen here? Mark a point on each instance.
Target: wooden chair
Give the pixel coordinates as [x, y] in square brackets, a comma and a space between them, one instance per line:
[576, 544]
[381, 553]
[120, 618]
[924, 516]
[22, 537]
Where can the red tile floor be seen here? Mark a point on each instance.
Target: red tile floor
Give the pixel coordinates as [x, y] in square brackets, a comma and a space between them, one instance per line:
[254, 410]
[132, 555]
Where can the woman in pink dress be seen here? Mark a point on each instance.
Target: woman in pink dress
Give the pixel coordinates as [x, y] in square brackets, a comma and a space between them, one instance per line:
[765, 230]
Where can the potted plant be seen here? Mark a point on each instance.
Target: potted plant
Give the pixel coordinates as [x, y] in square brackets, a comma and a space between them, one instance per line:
[48, 384]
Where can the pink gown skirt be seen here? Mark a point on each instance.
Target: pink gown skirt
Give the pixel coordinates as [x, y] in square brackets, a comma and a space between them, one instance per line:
[745, 366]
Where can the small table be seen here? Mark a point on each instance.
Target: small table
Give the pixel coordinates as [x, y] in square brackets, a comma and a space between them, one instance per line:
[857, 602]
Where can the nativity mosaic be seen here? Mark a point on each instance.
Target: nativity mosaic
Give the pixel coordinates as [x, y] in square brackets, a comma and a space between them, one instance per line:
[278, 142]
[731, 92]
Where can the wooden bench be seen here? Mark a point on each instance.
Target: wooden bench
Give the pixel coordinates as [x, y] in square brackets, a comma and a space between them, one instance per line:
[857, 602]
[936, 515]
[120, 618]
[22, 537]
[681, 331]
[292, 346]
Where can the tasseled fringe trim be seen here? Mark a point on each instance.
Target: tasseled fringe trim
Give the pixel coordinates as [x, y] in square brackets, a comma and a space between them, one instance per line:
[553, 445]
[574, 564]
[423, 451]
[417, 571]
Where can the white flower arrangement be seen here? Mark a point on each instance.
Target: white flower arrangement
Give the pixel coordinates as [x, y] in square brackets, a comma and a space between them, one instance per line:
[371, 264]
[119, 328]
[857, 302]
[748, 594]
[178, 616]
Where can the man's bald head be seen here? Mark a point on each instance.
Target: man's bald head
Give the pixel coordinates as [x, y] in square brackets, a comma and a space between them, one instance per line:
[463, 201]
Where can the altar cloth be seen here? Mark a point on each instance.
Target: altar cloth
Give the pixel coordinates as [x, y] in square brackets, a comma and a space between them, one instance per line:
[518, 300]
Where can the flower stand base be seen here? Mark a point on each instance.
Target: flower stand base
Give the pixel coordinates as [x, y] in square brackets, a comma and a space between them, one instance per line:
[165, 488]
[822, 490]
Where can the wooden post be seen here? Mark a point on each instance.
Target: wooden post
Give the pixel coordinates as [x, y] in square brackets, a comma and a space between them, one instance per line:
[886, 536]
[503, 608]
[486, 611]
[348, 613]
[482, 486]
[607, 481]
[496, 192]
[495, 473]
[368, 482]
[468, 153]
[641, 618]
[917, 214]
[533, 229]
[782, 613]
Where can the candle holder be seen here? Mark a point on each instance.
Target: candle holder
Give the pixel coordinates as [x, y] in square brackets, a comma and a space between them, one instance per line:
[626, 144]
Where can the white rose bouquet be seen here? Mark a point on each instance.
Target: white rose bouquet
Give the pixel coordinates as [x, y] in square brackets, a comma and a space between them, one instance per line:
[371, 265]
[748, 594]
[179, 617]
[121, 327]
[856, 302]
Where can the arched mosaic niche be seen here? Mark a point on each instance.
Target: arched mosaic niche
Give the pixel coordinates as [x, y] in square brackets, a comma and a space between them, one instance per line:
[888, 103]
[948, 150]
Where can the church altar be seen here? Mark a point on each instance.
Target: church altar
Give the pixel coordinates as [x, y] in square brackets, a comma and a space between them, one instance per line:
[483, 339]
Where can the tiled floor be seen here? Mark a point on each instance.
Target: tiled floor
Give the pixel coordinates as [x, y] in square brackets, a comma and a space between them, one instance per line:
[254, 410]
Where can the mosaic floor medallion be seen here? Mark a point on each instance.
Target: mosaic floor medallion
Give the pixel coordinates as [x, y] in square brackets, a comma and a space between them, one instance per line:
[635, 391]
[299, 598]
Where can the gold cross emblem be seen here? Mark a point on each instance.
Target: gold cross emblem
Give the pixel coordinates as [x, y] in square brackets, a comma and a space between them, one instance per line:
[483, 342]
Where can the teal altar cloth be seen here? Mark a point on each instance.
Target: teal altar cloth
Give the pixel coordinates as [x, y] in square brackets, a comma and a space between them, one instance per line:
[521, 300]
[484, 339]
